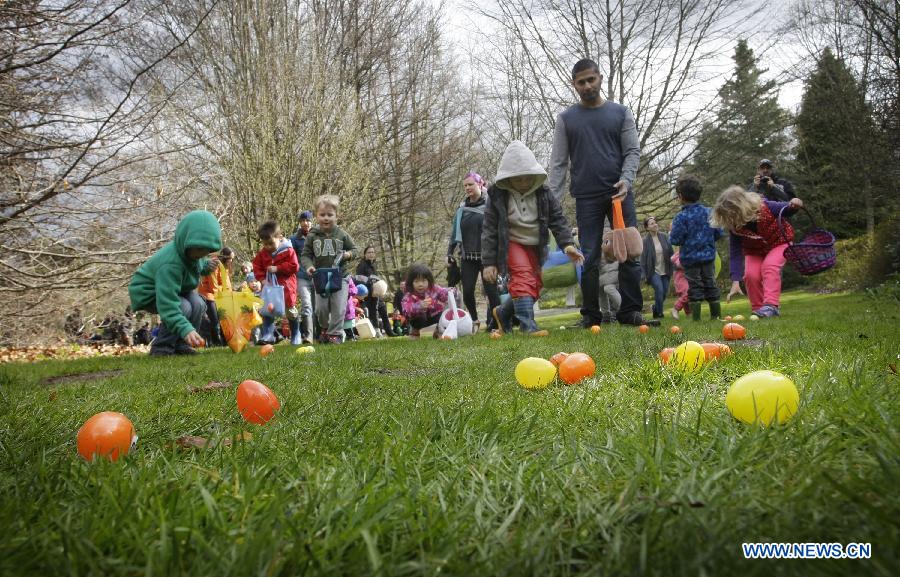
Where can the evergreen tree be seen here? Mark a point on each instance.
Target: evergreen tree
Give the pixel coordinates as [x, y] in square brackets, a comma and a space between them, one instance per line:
[749, 125]
[840, 156]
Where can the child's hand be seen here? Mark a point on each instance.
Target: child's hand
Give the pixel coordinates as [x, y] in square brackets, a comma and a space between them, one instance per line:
[489, 274]
[796, 203]
[426, 302]
[574, 254]
[311, 270]
[735, 290]
[347, 255]
[272, 269]
[195, 340]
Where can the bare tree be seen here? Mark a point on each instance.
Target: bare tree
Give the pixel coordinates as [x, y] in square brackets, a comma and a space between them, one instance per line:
[81, 176]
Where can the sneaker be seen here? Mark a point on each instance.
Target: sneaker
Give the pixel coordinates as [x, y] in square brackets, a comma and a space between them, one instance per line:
[675, 314]
[636, 319]
[335, 340]
[161, 351]
[185, 350]
[766, 311]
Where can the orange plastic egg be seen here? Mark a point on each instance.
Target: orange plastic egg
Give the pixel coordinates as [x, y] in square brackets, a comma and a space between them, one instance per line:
[496, 335]
[256, 402]
[266, 350]
[576, 367]
[108, 434]
[665, 355]
[595, 329]
[712, 350]
[675, 330]
[728, 318]
[643, 329]
[558, 358]
[733, 332]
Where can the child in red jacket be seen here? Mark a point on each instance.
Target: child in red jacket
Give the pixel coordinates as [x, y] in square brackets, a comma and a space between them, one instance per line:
[277, 256]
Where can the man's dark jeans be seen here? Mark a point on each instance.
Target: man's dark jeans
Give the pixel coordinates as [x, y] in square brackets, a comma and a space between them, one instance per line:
[590, 214]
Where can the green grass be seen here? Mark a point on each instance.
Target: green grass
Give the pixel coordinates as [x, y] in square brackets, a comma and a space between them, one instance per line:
[423, 457]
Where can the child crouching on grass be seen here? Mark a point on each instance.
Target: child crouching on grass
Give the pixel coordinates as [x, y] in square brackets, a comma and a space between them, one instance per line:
[423, 300]
[520, 214]
[756, 245]
[167, 283]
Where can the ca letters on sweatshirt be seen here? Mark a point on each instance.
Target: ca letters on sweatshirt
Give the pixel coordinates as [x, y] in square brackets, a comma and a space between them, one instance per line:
[323, 247]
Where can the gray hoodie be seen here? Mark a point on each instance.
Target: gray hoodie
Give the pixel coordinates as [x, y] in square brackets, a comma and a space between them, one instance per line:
[522, 209]
[497, 230]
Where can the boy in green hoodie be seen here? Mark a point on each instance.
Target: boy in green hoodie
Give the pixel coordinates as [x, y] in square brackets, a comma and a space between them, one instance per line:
[167, 283]
[518, 219]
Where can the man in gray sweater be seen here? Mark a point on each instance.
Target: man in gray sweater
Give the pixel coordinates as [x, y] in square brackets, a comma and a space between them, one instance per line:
[600, 140]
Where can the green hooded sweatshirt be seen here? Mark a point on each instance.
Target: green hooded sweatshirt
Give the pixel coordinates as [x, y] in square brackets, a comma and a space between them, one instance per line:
[167, 275]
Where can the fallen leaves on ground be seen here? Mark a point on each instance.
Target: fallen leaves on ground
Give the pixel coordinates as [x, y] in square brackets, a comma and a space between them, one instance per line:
[65, 352]
[210, 386]
[195, 442]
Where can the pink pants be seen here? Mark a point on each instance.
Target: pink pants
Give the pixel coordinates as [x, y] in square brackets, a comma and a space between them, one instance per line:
[762, 275]
[681, 289]
[524, 267]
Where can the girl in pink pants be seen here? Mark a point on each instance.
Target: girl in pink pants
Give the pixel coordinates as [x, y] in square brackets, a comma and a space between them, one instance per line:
[757, 245]
[681, 288]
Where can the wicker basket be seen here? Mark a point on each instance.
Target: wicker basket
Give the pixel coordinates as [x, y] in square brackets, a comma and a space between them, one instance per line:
[812, 255]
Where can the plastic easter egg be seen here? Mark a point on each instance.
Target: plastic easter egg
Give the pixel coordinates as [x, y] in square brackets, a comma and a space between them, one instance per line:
[266, 350]
[576, 367]
[675, 329]
[688, 357]
[595, 329]
[108, 434]
[754, 318]
[728, 318]
[535, 373]
[733, 332]
[712, 351]
[305, 350]
[643, 329]
[496, 335]
[270, 307]
[665, 355]
[256, 402]
[558, 358]
[738, 317]
[763, 397]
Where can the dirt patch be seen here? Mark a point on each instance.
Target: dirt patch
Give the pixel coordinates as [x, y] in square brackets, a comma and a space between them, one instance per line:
[94, 376]
[752, 343]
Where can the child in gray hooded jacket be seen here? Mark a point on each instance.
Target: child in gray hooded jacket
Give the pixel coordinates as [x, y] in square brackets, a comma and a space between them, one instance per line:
[518, 219]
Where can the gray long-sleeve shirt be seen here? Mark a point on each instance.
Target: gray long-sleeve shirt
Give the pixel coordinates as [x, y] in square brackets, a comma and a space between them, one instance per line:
[602, 145]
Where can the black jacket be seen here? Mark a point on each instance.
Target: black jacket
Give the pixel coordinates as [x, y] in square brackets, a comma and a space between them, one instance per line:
[495, 231]
[648, 257]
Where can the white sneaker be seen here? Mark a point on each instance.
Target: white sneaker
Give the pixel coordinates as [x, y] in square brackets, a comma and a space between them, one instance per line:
[675, 314]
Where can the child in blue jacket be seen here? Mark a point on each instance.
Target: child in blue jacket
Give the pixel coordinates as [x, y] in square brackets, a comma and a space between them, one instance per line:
[697, 238]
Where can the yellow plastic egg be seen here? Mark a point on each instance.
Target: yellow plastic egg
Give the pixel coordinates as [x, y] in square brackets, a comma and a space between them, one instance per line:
[688, 357]
[535, 373]
[762, 396]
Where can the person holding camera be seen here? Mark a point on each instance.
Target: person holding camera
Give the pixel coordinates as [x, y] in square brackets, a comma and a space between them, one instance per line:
[770, 185]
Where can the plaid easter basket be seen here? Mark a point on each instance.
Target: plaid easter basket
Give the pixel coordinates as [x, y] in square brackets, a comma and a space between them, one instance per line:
[812, 255]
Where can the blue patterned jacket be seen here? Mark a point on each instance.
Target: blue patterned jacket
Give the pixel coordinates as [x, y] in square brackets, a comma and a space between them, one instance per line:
[693, 233]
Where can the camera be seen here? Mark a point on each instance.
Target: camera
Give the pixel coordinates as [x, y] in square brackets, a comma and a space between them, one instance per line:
[764, 182]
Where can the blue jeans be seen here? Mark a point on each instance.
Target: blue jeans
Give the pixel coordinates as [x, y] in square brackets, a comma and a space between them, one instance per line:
[660, 284]
[192, 307]
[590, 214]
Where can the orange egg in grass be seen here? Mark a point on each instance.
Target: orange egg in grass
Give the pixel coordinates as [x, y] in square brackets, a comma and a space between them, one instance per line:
[576, 367]
[665, 355]
[675, 329]
[266, 350]
[595, 329]
[558, 358]
[728, 318]
[256, 402]
[643, 329]
[108, 434]
[733, 332]
[712, 350]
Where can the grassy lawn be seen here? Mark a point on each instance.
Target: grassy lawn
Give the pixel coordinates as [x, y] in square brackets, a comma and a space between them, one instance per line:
[404, 457]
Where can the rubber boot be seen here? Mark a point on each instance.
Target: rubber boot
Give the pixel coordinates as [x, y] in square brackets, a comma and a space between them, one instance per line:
[524, 307]
[296, 335]
[267, 333]
[307, 324]
[695, 310]
[715, 310]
